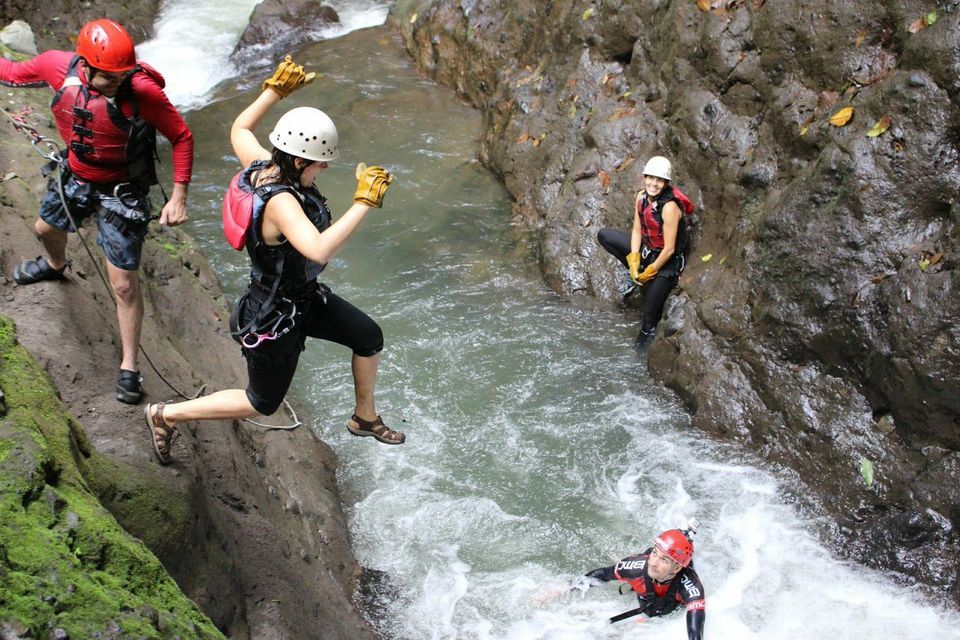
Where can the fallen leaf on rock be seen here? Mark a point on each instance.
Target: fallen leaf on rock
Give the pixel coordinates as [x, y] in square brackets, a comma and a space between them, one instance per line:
[626, 95]
[604, 178]
[935, 258]
[924, 263]
[536, 142]
[860, 38]
[629, 160]
[917, 25]
[9, 176]
[842, 117]
[866, 471]
[803, 130]
[758, 4]
[523, 138]
[882, 125]
[930, 18]
[571, 82]
[619, 113]
[413, 18]
[703, 5]
[706, 258]
[878, 279]
[588, 13]
[572, 112]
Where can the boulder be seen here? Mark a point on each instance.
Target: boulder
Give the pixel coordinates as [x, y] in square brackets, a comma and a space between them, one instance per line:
[18, 36]
[278, 27]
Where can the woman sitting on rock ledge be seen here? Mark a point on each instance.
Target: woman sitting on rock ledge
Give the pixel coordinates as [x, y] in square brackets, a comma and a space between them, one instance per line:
[273, 209]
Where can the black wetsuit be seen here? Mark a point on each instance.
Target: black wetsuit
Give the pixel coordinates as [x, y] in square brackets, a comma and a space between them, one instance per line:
[656, 598]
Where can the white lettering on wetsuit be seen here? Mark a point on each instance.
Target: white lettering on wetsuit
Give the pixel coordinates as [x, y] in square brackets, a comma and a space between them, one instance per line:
[631, 564]
[691, 588]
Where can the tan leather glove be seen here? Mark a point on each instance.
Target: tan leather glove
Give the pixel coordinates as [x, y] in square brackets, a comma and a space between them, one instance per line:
[288, 77]
[633, 263]
[372, 183]
[647, 275]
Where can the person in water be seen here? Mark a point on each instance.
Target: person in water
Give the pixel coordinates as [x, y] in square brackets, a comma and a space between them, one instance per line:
[663, 578]
[283, 221]
[654, 251]
[108, 107]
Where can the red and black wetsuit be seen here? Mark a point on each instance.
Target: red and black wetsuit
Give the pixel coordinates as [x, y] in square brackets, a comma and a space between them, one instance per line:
[140, 97]
[659, 598]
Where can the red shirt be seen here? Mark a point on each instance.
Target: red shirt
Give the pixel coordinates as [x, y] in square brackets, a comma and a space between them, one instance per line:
[50, 68]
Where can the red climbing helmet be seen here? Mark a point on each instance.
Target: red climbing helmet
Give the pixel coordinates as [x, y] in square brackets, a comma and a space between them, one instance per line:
[675, 545]
[107, 46]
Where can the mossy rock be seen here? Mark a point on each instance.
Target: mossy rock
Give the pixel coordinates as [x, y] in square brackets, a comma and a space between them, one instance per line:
[65, 563]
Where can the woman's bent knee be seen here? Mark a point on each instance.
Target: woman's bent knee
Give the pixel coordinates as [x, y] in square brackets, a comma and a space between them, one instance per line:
[262, 406]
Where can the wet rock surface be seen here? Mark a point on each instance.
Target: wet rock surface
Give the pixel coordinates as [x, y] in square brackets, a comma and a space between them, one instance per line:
[56, 23]
[278, 27]
[815, 322]
[247, 521]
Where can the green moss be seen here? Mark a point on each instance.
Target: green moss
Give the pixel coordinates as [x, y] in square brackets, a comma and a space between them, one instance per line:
[64, 561]
[171, 249]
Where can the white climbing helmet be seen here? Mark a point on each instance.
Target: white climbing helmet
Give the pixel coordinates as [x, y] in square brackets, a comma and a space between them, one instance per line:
[658, 167]
[307, 133]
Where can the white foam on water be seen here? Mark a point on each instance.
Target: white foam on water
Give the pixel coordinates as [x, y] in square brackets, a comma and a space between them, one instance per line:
[193, 41]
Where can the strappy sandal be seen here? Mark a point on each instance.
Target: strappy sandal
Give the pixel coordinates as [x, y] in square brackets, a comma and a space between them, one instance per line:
[360, 427]
[163, 435]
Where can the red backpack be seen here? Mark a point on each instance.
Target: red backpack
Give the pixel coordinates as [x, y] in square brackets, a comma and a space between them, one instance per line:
[238, 207]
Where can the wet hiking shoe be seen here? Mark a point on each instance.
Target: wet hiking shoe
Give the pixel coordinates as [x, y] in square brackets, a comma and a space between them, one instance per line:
[627, 286]
[129, 389]
[30, 271]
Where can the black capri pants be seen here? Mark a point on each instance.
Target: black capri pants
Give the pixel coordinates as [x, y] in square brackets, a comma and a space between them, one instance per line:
[271, 365]
[617, 244]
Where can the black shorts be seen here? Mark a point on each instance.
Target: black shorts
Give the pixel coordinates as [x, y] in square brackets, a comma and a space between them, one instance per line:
[271, 365]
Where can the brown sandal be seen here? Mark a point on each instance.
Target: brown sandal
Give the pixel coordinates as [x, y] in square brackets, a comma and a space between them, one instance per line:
[360, 427]
[163, 435]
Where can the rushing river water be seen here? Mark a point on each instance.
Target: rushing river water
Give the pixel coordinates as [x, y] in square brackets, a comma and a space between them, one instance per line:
[537, 446]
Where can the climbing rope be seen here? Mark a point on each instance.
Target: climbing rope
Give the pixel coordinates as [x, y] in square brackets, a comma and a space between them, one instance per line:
[53, 152]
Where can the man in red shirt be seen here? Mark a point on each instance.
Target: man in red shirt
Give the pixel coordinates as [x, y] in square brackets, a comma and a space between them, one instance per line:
[108, 108]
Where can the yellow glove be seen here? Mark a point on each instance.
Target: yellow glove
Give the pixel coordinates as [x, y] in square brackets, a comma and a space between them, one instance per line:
[648, 274]
[633, 263]
[288, 77]
[372, 183]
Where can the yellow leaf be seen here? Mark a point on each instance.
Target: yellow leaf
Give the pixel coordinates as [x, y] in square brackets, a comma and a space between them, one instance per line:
[803, 130]
[917, 25]
[930, 18]
[536, 142]
[842, 117]
[882, 125]
[626, 94]
[573, 111]
[588, 13]
[924, 264]
[413, 18]
[706, 258]
[703, 5]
